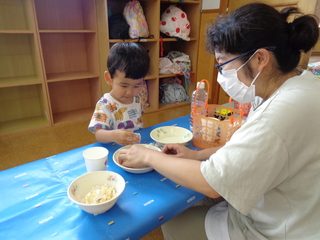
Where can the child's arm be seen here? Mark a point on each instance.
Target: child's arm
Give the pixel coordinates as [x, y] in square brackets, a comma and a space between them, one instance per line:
[120, 136]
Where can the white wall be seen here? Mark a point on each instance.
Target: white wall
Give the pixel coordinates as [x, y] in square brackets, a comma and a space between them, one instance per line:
[210, 4]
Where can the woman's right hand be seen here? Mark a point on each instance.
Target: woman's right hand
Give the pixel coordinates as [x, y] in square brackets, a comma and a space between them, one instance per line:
[178, 150]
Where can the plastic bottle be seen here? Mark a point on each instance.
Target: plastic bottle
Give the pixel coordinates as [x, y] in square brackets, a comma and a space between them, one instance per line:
[202, 97]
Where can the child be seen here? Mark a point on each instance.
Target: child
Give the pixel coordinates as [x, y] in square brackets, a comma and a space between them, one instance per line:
[118, 113]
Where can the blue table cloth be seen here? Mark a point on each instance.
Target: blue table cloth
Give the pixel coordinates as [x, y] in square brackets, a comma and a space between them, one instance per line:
[34, 202]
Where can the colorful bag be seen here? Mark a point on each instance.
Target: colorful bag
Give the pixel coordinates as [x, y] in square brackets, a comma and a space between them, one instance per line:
[171, 91]
[133, 13]
[144, 95]
[167, 67]
[174, 23]
[183, 60]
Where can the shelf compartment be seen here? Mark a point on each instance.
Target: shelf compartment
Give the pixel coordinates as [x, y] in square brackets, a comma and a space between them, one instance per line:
[187, 48]
[56, 77]
[22, 108]
[66, 53]
[191, 8]
[19, 60]
[66, 14]
[153, 48]
[150, 10]
[73, 100]
[16, 15]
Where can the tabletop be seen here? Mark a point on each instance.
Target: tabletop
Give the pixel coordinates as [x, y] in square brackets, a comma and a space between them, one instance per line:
[34, 202]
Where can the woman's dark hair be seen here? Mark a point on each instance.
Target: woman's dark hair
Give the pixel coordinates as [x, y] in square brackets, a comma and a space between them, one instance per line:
[258, 25]
[130, 58]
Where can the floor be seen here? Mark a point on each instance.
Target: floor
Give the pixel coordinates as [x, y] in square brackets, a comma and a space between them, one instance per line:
[22, 148]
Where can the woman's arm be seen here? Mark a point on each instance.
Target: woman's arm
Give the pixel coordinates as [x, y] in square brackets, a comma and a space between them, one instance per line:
[182, 151]
[185, 172]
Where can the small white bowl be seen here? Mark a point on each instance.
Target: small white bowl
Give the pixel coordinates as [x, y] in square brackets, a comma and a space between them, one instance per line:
[171, 134]
[83, 184]
[134, 170]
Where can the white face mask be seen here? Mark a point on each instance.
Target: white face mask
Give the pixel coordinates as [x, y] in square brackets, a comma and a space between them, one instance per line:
[236, 89]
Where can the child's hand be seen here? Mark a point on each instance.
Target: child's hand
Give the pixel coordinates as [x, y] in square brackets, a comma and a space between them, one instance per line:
[127, 137]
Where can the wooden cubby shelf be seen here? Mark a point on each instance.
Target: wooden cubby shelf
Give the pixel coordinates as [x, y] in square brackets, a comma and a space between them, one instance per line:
[53, 58]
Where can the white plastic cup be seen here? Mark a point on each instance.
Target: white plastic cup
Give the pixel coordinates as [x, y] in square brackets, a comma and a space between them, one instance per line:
[96, 159]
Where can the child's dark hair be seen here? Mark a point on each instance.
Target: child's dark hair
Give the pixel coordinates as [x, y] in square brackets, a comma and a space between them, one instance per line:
[258, 25]
[130, 58]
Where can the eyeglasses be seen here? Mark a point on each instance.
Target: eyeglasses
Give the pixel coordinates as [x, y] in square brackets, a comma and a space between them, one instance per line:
[219, 67]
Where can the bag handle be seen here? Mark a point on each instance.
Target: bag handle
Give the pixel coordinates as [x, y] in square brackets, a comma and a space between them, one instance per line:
[206, 103]
[232, 116]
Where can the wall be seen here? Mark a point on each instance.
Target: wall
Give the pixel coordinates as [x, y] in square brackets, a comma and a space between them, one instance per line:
[210, 4]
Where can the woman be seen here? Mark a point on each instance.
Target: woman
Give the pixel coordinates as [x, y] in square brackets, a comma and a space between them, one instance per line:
[268, 173]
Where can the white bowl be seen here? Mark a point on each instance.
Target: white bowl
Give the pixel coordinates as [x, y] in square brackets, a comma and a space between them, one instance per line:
[83, 184]
[171, 134]
[134, 170]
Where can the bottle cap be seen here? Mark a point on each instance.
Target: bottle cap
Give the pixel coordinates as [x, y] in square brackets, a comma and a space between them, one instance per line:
[202, 85]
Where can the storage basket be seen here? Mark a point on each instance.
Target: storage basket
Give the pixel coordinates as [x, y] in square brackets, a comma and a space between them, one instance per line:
[245, 107]
[218, 127]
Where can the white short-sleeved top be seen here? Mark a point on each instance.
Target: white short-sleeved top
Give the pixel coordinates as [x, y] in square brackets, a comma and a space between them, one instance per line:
[110, 114]
[269, 171]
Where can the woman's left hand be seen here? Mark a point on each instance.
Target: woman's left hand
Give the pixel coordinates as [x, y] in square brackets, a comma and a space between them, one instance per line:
[134, 156]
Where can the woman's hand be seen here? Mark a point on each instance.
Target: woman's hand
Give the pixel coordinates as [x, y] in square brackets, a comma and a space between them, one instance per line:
[182, 171]
[179, 150]
[134, 156]
[182, 151]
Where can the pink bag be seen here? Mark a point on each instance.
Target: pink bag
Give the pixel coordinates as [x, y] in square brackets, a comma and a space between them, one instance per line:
[133, 13]
[167, 67]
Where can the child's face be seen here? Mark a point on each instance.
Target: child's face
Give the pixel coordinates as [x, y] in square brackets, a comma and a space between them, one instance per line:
[123, 89]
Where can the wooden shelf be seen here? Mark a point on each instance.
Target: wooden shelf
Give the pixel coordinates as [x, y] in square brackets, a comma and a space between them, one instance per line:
[150, 110]
[16, 15]
[25, 124]
[173, 75]
[173, 105]
[19, 81]
[56, 77]
[29, 105]
[175, 40]
[182, 2]
[16, 32]
[19, 59]
[133, 40]
[153, 10]
[53, 58]
[65, 14]
[74, 115]
[67, 31]
[73, 97]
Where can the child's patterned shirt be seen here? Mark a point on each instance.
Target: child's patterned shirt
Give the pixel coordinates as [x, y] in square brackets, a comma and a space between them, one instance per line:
[110, 114]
